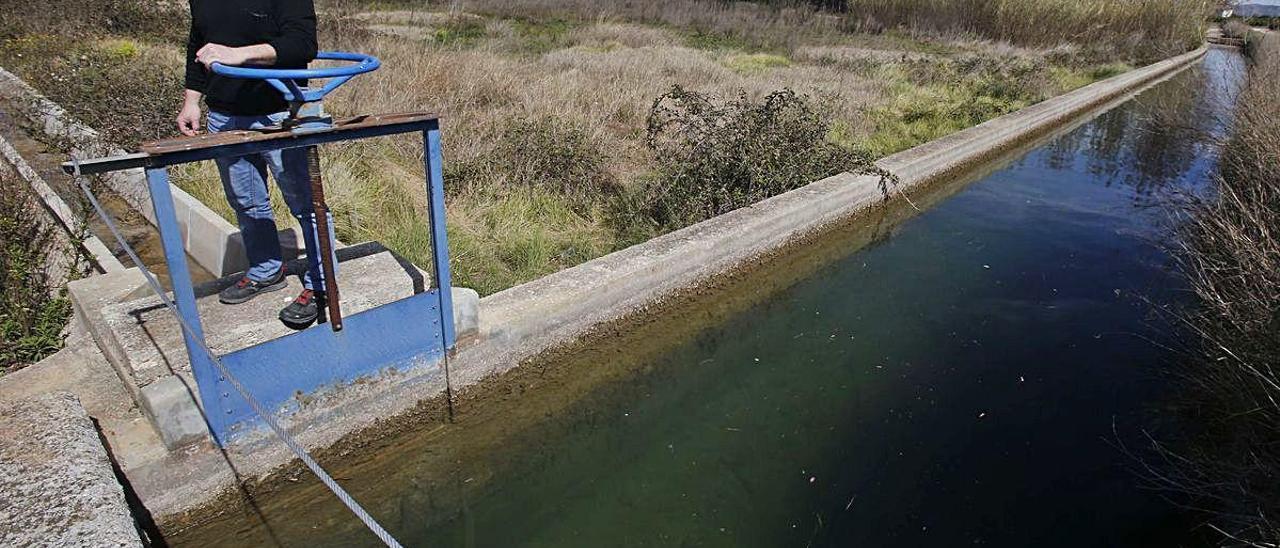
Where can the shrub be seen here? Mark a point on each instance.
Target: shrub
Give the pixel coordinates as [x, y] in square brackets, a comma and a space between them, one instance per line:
[33, 311]
[716, 156]
[1236, 28]
[459, 29]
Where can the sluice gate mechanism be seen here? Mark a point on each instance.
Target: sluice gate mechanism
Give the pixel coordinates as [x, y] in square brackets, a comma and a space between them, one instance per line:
[411, 331]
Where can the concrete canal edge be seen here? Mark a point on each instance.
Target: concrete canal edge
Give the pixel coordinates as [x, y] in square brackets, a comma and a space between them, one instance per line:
[59, 212]
[529, 320]
[57, 479]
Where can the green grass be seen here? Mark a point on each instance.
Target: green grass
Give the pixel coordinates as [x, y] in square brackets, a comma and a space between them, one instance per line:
[750, 63]
[715, 41]
[542, 35]
[504, 240]
[934, 99]
[918, 115]
[459, 31]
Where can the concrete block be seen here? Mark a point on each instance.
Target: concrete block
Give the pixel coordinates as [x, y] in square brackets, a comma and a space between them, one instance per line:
[206, 235]
[182, 211]
[152, 339]
[89, 297]
[57, 487]
[210, 236]
[170, 405]
[466, 312]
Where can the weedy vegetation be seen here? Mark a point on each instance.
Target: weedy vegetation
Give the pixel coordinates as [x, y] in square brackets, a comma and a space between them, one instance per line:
[34, 308]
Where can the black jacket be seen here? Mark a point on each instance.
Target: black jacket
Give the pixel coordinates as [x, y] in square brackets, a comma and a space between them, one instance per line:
[289, 26]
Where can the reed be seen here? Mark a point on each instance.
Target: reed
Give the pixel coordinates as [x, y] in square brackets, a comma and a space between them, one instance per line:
[1229, 461]
[1141, 29]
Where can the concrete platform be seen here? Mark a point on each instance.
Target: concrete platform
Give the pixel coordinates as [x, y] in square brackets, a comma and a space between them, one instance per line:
[57, 486]
[143, 340]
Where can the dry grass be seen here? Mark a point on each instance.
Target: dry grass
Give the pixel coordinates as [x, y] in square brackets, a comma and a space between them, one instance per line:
[1236, 28]
[1229, 464]
[1134, 30]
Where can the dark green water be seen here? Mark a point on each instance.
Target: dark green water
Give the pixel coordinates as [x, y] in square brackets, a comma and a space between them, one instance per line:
[964, 381]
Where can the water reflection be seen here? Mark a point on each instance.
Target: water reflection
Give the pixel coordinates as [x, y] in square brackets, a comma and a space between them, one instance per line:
[1171, 133]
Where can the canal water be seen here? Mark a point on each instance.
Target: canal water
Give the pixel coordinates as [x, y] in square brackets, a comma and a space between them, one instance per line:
[970, 378]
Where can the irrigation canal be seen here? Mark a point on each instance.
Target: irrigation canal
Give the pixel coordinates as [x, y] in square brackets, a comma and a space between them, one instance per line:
[966, 379]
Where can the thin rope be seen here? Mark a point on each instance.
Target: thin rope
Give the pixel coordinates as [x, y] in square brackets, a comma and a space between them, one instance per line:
[257, 407]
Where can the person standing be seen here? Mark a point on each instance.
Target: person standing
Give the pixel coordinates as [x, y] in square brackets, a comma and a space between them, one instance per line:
[270, 34]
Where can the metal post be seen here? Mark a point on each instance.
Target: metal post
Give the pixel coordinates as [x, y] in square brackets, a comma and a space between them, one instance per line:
[175, 256]
[330, 283]
[441, 278]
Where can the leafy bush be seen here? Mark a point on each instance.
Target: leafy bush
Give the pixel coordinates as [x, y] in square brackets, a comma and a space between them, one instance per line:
[32, 311]
[716, 156]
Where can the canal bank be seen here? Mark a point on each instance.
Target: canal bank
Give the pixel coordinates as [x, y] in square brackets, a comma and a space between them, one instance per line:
[516, 409]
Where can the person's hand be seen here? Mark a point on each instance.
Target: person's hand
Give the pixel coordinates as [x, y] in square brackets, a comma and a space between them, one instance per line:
[218, 53]
[189, 118]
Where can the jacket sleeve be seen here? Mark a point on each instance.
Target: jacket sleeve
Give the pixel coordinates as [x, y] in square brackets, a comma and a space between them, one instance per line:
[196, 77]
[296, 43]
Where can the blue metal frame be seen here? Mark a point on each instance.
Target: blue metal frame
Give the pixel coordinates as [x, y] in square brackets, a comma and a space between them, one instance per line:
[413, 331]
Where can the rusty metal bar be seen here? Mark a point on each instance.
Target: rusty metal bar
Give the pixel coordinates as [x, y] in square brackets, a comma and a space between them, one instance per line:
[328, 273]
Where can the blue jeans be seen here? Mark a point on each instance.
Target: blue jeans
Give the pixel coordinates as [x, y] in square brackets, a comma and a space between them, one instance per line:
[244, 180]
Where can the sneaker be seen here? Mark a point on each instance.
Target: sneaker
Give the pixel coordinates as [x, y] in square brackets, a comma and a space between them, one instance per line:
[302, 311]
[247, 288]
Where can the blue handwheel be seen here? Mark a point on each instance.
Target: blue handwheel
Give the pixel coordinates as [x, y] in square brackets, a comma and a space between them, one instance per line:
[284, 79]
